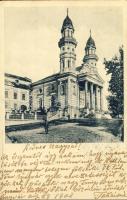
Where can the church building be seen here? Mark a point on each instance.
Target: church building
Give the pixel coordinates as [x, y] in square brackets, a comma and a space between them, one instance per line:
[78, 90]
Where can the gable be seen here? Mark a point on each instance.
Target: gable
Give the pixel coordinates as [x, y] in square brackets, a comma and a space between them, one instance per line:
[96, 76]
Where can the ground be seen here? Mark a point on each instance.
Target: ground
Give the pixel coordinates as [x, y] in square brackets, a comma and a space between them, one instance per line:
[63, 133]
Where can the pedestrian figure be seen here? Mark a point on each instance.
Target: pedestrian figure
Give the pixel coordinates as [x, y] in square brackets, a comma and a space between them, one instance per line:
[44, 113]
[46, 124]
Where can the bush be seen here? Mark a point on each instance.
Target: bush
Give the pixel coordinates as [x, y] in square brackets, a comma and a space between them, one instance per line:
[91, 115]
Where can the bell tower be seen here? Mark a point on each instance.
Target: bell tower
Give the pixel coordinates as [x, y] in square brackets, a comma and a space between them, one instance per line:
[67, 45]
[90, 57]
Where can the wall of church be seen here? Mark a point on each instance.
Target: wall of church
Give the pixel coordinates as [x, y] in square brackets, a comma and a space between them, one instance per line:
[65, 91]
[73, 96]
[42, 94]
[62, 100]
[82, 99]
[47, 95]
[35, 96]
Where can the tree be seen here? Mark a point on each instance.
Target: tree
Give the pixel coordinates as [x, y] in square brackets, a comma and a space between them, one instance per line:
[114, 67]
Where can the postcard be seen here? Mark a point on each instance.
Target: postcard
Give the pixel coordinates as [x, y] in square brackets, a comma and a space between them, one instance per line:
[63, 100]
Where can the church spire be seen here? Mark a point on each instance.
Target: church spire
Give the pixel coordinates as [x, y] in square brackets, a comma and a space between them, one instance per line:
[90, 32]
[67, 11]
[90, 50]
[67, 23]
[67, 45]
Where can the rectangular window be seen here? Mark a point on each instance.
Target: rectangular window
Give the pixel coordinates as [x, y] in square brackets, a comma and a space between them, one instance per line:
[23, 97]
[6, 105]
[6, 94]
[15, 95]
[53, 87]
[15, 106]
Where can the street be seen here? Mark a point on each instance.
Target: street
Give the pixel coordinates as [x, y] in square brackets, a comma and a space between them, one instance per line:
[64, 133]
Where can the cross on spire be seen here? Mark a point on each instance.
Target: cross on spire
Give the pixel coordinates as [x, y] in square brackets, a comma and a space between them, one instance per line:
[90, 32]
[67, 11]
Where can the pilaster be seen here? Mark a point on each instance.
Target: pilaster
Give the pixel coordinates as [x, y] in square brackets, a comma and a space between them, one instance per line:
[58, 93]
[86, 90]
[96, 98]
[91, 96]
[101, 99]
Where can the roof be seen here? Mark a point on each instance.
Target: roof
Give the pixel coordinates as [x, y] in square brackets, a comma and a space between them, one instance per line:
[94, 76]
[78, 68]
[22, 86]
[90, 43]
[65, 40]
[18, 77]
[47, 79]
[67, 23]
[53, 77]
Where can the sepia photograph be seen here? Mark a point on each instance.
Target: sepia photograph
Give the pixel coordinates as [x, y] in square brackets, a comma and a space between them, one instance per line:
[64, 74]
[63, 100]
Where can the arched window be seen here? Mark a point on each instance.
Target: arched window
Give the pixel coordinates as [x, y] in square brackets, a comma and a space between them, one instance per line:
[62, 89]
[23, 108]
[73, 62]
[69, 63]
[6, 104]
[68, 33]
[53, 101]
[63, 65]
[15, 95]
[23, 96]
[74, 90]
[40, 90]
[6, 94]
[40, 102]
[52, 87]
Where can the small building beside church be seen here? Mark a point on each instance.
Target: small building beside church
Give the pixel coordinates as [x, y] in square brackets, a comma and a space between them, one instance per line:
[17, 93]
[78, 89]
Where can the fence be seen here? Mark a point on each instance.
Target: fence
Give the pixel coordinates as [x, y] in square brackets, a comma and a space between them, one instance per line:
[23, 116]
[15, 116]
[29, 116]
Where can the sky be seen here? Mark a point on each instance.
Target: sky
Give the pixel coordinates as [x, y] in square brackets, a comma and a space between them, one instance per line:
[31, 36]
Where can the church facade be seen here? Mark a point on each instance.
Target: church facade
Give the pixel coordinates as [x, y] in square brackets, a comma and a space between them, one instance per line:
[78, 90]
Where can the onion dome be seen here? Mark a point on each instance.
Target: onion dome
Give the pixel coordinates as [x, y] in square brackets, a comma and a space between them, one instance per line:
[90, 50]
[90, 43]
[67, 23]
